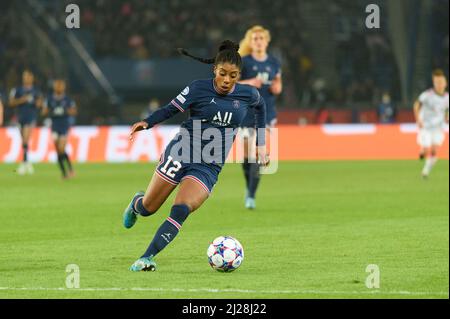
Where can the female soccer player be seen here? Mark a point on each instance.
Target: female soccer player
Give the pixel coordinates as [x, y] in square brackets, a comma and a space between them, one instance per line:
[60, 108]
[28, 99]
[262, 71]
[431, 112]
[217, 107]
[1, 111]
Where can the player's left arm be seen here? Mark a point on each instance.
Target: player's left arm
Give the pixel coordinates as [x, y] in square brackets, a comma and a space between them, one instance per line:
[277, 85]
[179, 104]
[447, 114]
[260, 116]
[44, 109]
[72, 110]
[1, 113]
[39, 101]
[417, 106]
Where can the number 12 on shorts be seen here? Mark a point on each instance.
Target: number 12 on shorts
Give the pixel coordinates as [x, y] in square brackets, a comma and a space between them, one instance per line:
[170, 171]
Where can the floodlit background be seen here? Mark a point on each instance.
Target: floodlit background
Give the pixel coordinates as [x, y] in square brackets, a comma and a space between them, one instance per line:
[347, 193]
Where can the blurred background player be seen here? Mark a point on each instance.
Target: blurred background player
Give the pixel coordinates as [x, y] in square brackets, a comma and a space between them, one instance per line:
[27, 99]
[60, 108]
[431, 111]
[261, 70]
[217, 103]
[1, 111]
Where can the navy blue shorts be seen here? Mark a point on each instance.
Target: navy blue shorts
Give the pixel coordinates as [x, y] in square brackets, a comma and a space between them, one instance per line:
[27, 121]
[174, 171]
[60, 130]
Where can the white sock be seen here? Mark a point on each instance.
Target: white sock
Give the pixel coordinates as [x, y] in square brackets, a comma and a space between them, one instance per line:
[427, 167]
[434, 159]
[429, 163]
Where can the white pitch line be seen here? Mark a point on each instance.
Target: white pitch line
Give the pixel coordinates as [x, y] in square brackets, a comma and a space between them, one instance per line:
[245, 291]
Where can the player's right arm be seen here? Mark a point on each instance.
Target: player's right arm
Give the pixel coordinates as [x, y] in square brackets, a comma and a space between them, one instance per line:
[256, 82]
[257, 102]
[417, 107]
[73, 109]
[15, 101]
[44, 110]
[179, 104]
[1, 113]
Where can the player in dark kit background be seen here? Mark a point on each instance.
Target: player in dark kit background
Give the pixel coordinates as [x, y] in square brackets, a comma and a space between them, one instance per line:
[26, 99]
[217, 107]
[1, 110]
[60, 108]
[261, 70]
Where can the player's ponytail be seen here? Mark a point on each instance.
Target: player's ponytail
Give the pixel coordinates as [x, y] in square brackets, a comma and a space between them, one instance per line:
[203, 60]
[227, 53]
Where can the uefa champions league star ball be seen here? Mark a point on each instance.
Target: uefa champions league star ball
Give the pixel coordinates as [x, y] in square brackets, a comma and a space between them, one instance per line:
[225, 254]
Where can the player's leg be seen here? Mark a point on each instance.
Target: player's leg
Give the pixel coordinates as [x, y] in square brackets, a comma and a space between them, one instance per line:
[424, 141]
[422, 153]
[148, 203]
[166, 177]
[427, 166]
[244, 133]
[195, 187]
[63, 138]
[60, 147]
[254, 175]
[437, 141]
[191, 195]
[436, 138]
[25, 132]
[145, 205]
[433, 154]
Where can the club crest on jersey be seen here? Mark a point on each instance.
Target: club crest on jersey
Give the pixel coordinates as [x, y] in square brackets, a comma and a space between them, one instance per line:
[236, 104]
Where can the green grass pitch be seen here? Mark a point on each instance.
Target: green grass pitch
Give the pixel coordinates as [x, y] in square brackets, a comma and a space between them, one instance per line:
[316, 228]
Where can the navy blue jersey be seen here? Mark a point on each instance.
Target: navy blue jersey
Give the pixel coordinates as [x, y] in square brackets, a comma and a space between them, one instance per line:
[28, 110]
[58, 106]
[210, 109]
[265, 70]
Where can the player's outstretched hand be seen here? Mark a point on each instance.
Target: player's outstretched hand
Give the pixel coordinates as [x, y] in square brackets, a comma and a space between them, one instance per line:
[262, 157]
[256, 82]
[139, 126]
[275, 87]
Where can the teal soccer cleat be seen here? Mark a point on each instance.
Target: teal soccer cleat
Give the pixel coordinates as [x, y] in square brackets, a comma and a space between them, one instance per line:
[129, 215]
[144, 264]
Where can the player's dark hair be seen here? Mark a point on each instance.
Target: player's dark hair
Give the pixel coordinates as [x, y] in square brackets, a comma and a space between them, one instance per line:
[438, 72]
[227, 53]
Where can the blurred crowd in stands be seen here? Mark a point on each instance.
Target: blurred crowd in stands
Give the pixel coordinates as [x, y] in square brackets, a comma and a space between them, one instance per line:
[142, 29]
[440, 34]
[14, 56]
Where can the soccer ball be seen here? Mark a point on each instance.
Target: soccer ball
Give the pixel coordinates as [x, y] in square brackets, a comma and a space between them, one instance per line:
[225, 254]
